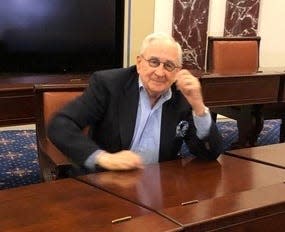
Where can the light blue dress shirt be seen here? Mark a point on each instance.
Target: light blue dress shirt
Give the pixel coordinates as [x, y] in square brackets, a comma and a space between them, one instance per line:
[146, 138]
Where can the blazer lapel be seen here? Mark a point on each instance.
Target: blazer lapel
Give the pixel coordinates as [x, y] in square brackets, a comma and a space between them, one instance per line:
[170, 117]
[128, 105]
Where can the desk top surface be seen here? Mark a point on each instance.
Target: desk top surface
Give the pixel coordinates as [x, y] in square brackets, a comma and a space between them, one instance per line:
[265, 205]
[69, 205]
[169, 184]
[196, 193]
[270, 154]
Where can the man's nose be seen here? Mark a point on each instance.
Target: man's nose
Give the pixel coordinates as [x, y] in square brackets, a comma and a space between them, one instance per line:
[160, 71]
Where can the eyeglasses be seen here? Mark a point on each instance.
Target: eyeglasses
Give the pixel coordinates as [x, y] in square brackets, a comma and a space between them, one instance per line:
[155, 62]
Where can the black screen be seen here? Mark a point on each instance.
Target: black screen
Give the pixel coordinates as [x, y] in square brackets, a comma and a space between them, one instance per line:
[60, 35]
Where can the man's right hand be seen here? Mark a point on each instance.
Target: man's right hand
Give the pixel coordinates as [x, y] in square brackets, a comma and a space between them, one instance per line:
[123, 160]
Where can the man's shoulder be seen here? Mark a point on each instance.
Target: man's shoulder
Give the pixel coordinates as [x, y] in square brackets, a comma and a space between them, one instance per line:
[116, 73]
[115, 79]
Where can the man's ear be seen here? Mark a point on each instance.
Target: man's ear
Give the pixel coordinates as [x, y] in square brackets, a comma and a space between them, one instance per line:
[138, 60]
[138, 63]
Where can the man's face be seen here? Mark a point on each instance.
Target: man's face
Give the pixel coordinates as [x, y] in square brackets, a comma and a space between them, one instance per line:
[158, 80]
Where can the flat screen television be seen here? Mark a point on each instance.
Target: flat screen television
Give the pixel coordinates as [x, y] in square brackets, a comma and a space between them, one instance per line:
[61, 36]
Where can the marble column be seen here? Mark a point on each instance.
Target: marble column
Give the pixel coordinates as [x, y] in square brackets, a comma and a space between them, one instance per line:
[190, 24]
[241, 18]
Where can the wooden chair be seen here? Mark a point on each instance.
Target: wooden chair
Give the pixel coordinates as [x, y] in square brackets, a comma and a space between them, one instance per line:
[49, 99]
[233, 55]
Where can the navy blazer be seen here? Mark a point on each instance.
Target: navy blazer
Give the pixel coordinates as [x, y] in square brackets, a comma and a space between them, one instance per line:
[109, 107]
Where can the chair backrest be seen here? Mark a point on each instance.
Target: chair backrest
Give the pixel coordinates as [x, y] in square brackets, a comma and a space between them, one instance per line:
[49, 99]
[233, 55]
[53, 101]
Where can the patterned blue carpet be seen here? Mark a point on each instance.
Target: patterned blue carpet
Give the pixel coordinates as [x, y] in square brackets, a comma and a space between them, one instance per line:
[18, 158]
[269, 134]
[18, 151]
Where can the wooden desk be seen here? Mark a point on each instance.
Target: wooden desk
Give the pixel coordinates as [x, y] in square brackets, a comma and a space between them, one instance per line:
[231, 90]
[282, 88]
[69, 205]
[282, 107]
[17, 95]
[273, 155]
[261, 209]
[164, 187]
[249, 99]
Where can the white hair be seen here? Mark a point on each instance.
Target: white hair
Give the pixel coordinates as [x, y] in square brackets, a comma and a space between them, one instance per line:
[160, 36]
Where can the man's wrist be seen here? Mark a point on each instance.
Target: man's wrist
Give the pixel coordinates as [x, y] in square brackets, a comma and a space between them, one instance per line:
[201, 112]
[99, 156]
[90, 162]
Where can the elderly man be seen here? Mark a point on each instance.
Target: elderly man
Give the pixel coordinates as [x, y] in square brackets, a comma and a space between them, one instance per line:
[138, 115]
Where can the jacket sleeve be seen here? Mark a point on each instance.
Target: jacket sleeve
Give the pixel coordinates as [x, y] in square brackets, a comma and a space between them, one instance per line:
[65, 129]
[209, 147]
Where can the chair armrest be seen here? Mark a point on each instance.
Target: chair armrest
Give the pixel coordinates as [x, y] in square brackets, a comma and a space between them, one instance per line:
[56, 156]
[53, 163]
